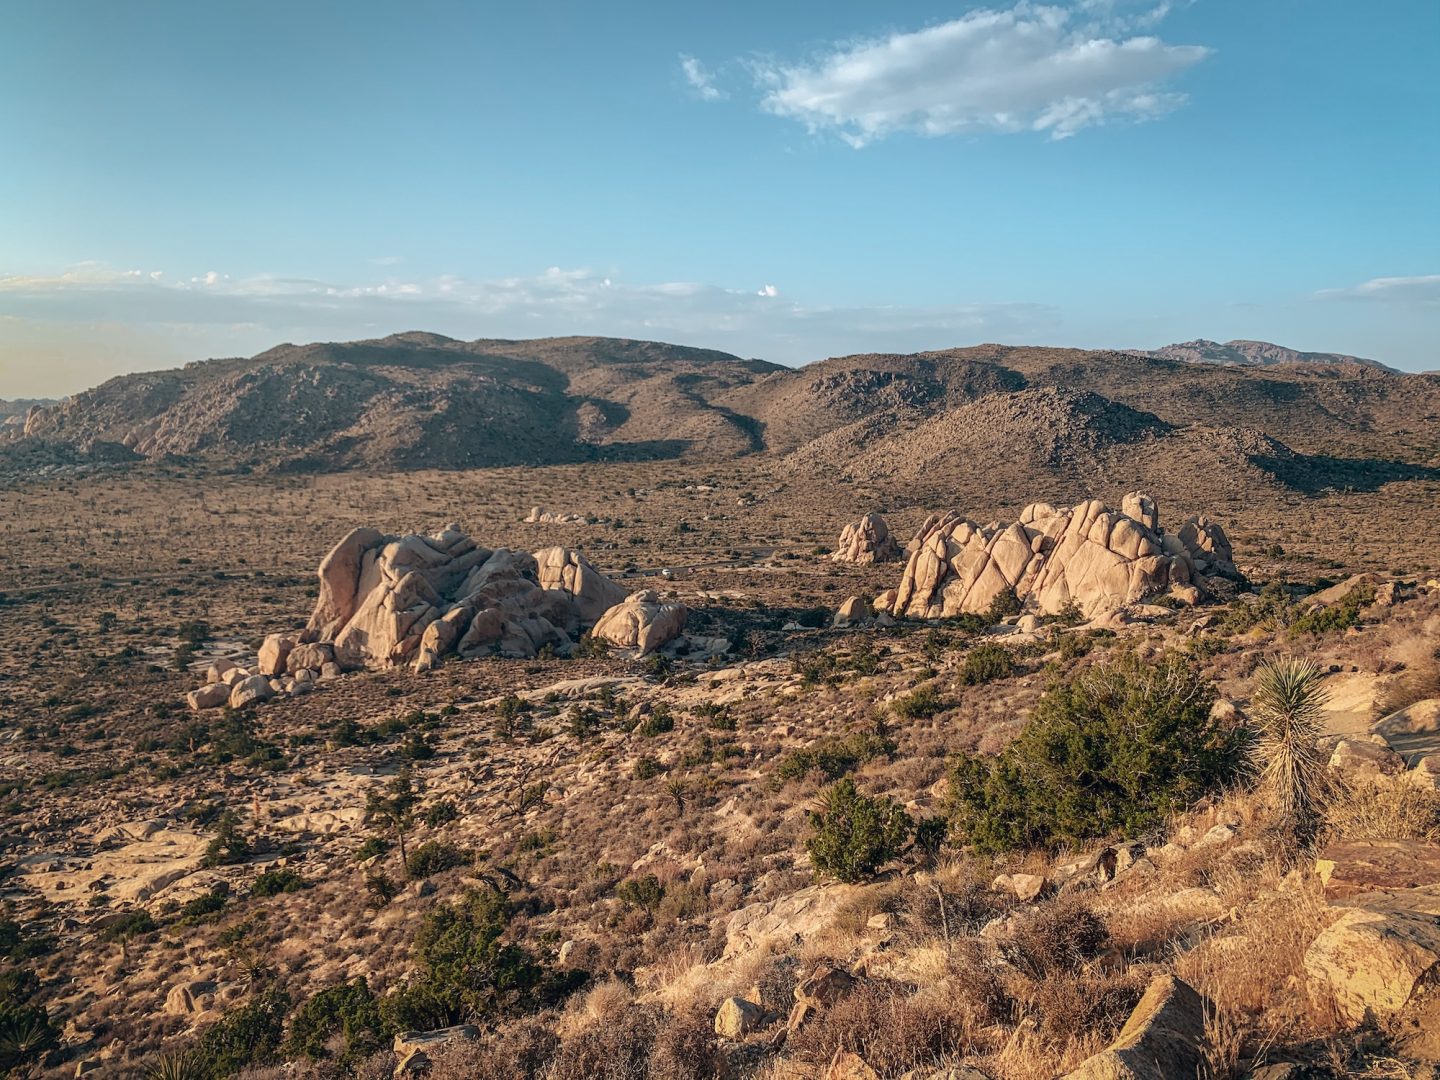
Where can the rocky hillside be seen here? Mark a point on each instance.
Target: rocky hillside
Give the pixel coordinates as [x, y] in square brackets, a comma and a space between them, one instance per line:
[419, 400]
[1242, 353]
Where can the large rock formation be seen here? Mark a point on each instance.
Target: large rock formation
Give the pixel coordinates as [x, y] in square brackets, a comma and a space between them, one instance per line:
[387, 600]
[867, 540]
[1094, 557]
[642, 622]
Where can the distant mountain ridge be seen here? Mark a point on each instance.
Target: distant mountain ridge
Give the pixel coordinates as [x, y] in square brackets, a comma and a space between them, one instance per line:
[1243, 353]
[928, 421]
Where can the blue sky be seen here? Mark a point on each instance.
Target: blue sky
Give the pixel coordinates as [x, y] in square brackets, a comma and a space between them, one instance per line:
[182, 180]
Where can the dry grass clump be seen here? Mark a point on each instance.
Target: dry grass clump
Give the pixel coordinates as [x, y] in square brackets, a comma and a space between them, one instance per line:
[1384, 810]
[1055, 938]
[1419, 682]
[890, 1028]
[516, 1051]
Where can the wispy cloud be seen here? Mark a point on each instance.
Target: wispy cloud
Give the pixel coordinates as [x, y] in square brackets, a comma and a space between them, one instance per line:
[1423, 291]
[248, 314]
[1037, 68]
[701, 79]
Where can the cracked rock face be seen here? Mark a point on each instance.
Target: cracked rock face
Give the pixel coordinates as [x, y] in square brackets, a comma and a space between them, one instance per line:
[1089, 555]
[642, 622]
[390, 600]
[867, 540]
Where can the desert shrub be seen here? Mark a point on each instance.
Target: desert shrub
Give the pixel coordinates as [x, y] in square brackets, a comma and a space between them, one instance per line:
[854, 834]
[1273, 609]
[416, 747]
[1084, 1004]
[1005, 604]
[433, 857]
[466, 972]
[131, 924]
[835, 756]
[1287, 708]
[1114, 750]
[646, 768]
[26, 1032]
[246, 1036]
[985, 663]
[889, 1029]
[922, 702]
[373, 846]
[228, 845]
[204, 907]
[440, 813]
[658, 722]
[1055, 938]
[348, 1011]
[642, 892]
[1335, 617]
[18, 943]
[518, 1050]
[282, 879]
[615, 1048]
[511, 715]
[685, 1048]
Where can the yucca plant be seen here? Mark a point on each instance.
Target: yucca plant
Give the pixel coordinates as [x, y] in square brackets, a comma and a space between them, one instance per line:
[1287, 709]
[182, 1066]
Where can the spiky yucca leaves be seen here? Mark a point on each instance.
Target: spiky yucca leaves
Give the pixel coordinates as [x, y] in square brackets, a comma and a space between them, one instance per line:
[1287, 709]
[184, 1066]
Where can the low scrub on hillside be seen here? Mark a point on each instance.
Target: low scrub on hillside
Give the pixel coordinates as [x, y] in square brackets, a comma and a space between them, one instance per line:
[1110, 752]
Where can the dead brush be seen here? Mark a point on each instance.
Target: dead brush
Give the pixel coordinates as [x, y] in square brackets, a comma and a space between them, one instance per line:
[1390, 810]
[887, 1026]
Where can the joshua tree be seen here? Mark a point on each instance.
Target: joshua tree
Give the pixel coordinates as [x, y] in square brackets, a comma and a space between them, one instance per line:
[1287, 708]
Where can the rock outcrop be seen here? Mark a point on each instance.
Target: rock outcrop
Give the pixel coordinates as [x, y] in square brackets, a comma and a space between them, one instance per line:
[1372, 960]
[1091, 556]
[1163, 1038]
[388, 600]
[641, 622]
[867, 540]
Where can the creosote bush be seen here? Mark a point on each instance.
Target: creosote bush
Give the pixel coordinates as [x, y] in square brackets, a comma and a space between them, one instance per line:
[835, 756]
[1112, 751]
[854, 834]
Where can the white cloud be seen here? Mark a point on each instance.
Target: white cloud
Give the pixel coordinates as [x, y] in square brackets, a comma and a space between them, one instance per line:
[1038, 68]
[701, 79]
[234, 316]
[1423, 290]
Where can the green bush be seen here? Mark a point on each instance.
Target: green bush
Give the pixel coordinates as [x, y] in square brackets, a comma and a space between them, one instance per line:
[131, 924]
[203, 907]
[1005, 604]
[920, 703]
[432, 857]
[466, 972]
[855, 834]
[373, 846]
[834, 756]
[227, 846]
[1336, 617]
[349, 1011]
[985, 663]
[440, 813]
[283, 879]
[1113, 751]
[246, 1036]
[643, 892]
[646, 768]
[658, 722]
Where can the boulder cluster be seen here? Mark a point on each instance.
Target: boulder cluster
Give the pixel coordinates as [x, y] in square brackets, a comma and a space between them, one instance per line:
[867, 540]
[1089, 556]
[387, 601]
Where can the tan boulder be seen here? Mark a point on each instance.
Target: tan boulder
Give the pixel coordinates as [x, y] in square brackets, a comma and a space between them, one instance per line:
[855, 611]
[737, 1018]
[791, 918]
[340, 581]
[274, 652]
[216, 672]
[1365, 758]
[251, 689]
[1372, 960]
[208, 697]
[1351, 867]
[641, 622]
[1421, 718]
[1425, 773]
[312, 656]
[1164, 1038]
[867, 540]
